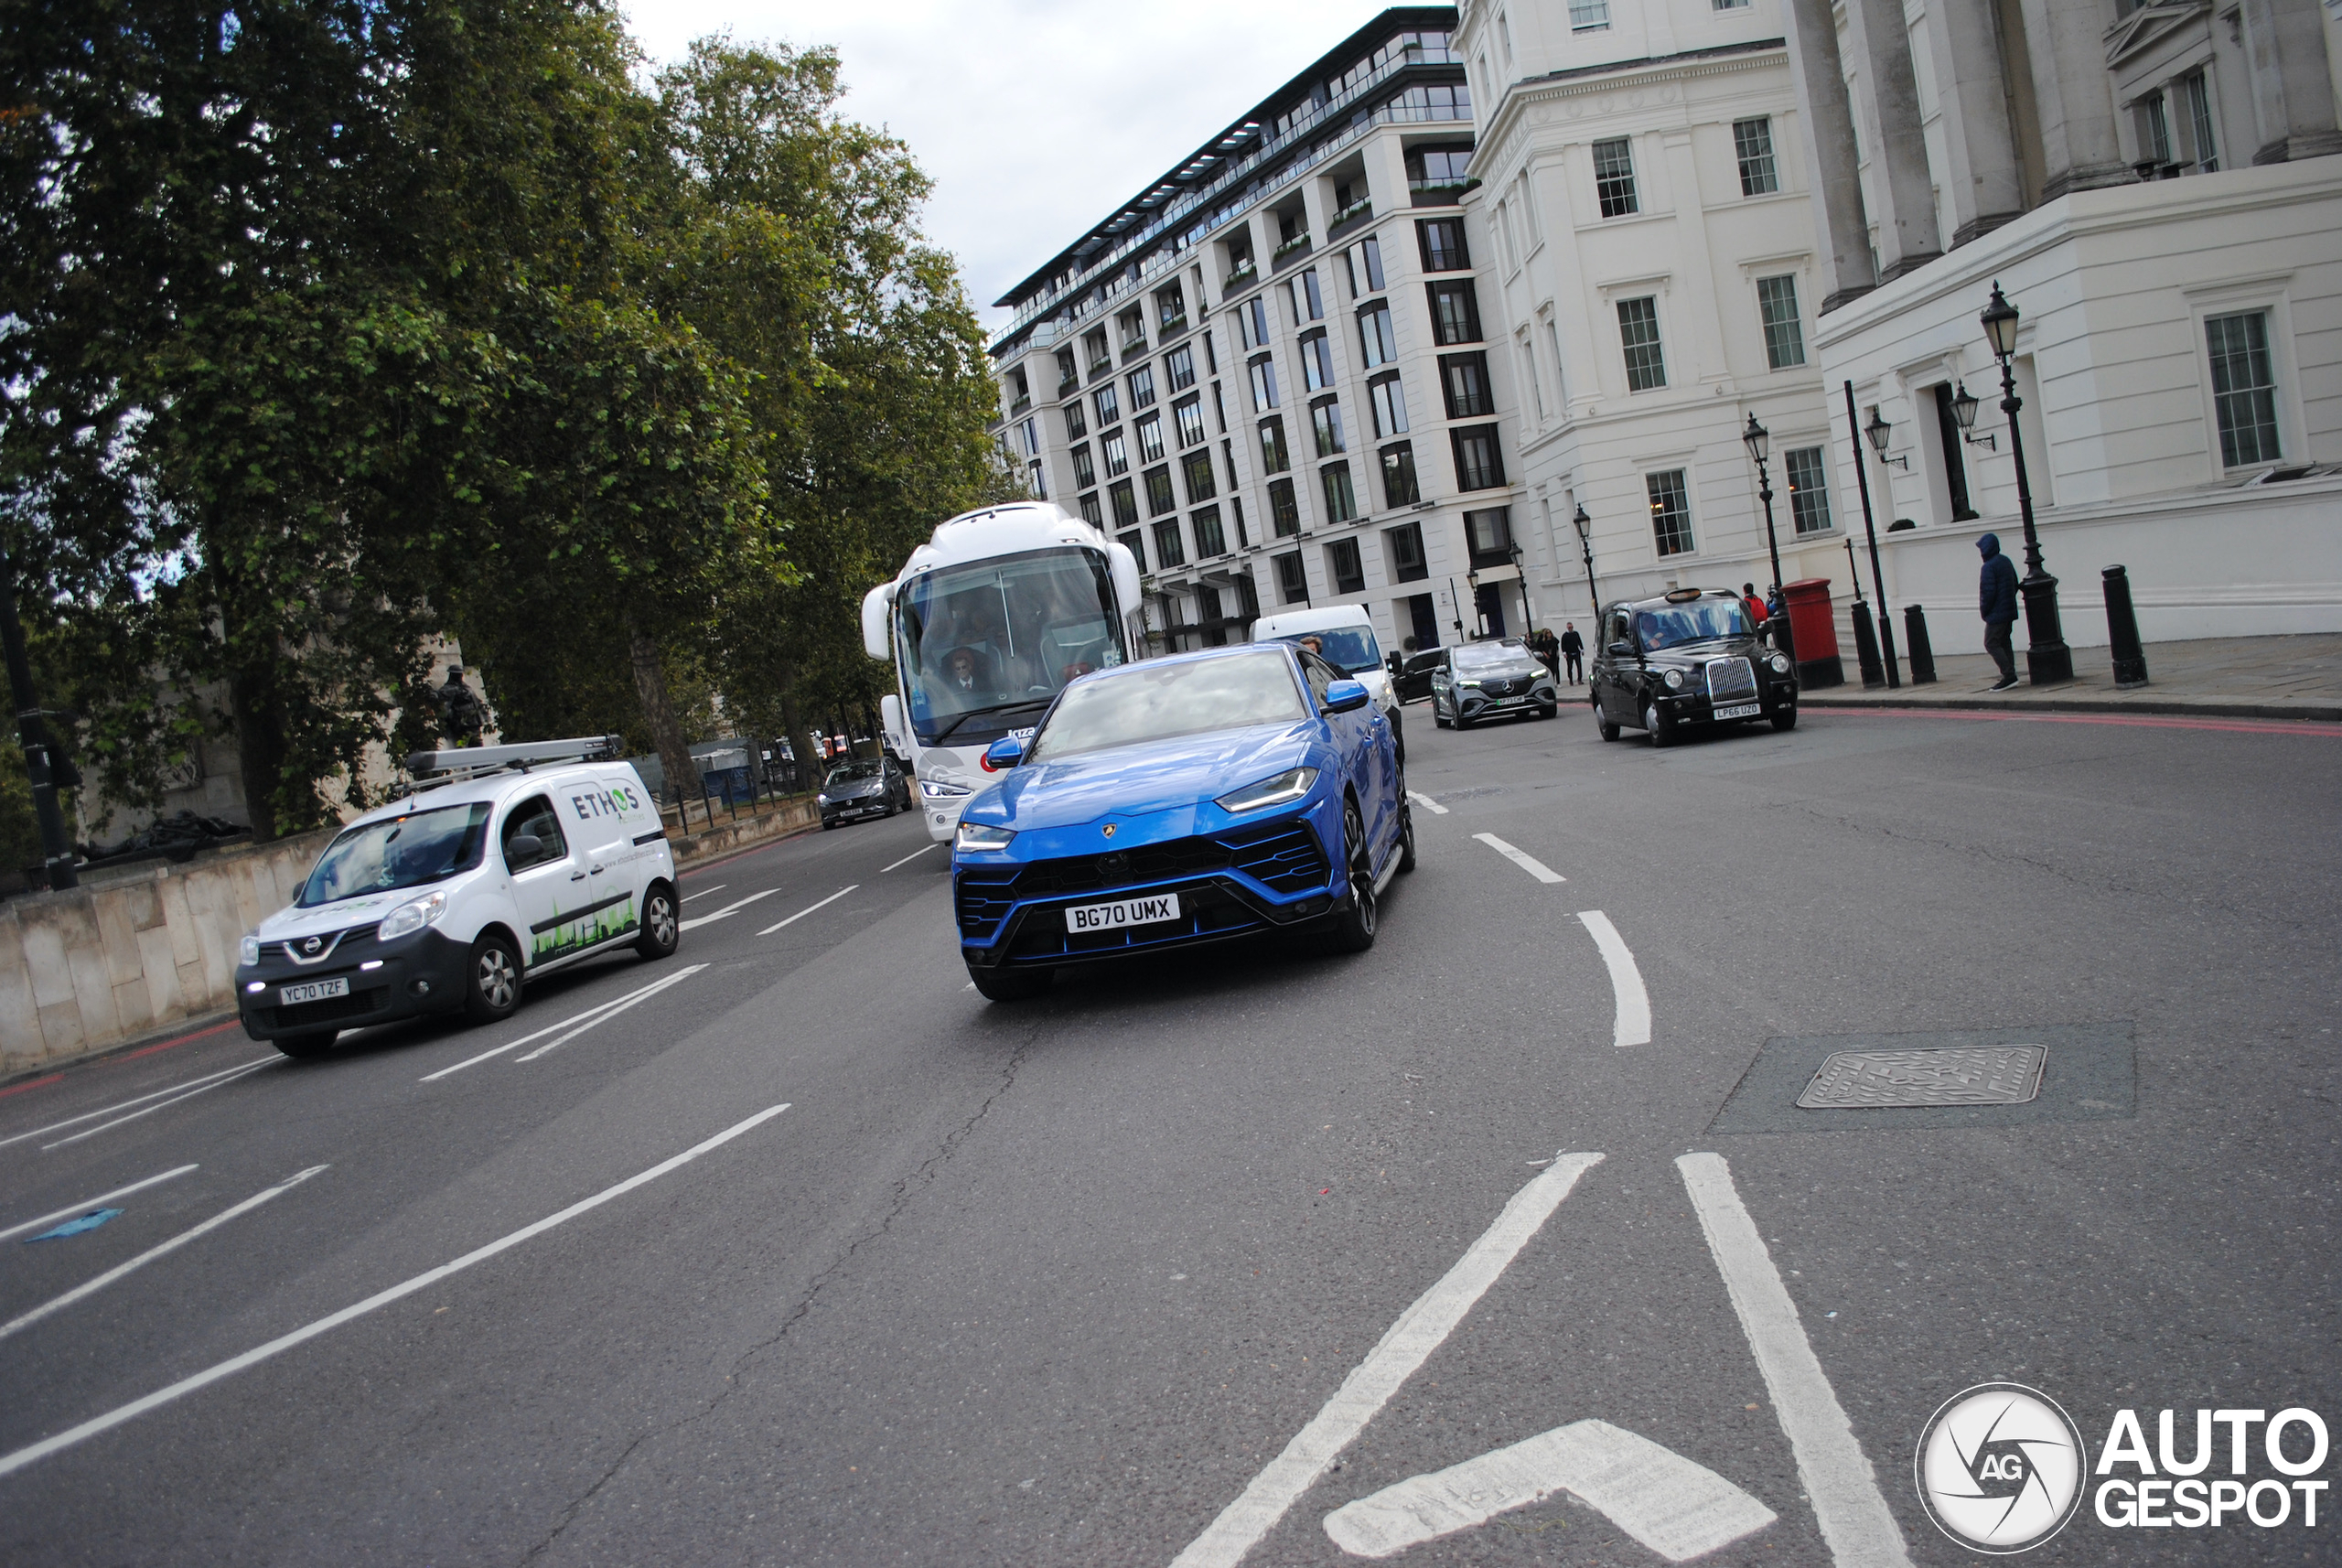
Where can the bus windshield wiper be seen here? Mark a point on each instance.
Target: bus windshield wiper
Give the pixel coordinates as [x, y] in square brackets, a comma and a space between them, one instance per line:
[959, 719]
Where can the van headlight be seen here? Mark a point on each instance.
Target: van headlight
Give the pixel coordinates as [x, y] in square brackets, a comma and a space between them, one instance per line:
[1283, 789]
[935, 790]
[248, 951]
[414, 917]
[980, 835]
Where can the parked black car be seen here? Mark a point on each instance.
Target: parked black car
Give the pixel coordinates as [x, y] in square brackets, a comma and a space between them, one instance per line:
[1490, 680]
[864, 789]
[1411, 674]
[1691, 658]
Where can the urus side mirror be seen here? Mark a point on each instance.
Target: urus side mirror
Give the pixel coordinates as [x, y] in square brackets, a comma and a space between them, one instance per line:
[1006, 752]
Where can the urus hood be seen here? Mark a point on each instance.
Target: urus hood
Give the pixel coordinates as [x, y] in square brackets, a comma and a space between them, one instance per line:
[1134, 781]
[1990, 545]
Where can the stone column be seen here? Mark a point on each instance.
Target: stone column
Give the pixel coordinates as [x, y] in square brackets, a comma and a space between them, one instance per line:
[1900, 184]
[2074, 97]
[1981, 181]
[2292, 91]
[1833, 172]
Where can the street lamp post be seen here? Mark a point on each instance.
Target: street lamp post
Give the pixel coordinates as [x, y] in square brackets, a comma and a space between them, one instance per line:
[2046, 657]
[1870, 529]
[1759, 441]
[1583, 524]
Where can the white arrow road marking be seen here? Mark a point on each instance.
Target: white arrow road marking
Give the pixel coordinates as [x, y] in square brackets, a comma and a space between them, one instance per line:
[913, 856]
[1407, 1345]
[92, 1286]
[84, 1207]
[1854, 1517]
[594, 1013]
[810, 908]
[1632, 1026]
[703, 892]
[1522, 858]
[1676, 1508]
[1426, 802]
[204, 1085]
[189, 1086]
[737, 904]
[12, 1463]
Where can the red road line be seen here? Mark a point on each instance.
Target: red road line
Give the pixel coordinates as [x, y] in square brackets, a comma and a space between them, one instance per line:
[2141, 721]
[183, 1039]
[36, 1083]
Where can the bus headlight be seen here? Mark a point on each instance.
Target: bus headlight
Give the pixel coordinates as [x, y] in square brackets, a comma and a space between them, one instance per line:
[937, 790]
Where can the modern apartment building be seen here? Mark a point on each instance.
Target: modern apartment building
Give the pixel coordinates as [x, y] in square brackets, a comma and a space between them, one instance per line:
[1652, 280]
[1268, 372]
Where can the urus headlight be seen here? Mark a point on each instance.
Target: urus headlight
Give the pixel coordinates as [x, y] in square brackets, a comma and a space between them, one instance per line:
[1283, 789]
[414, 917]
[1674, 680]
[248, 951]
[1780, 663]
[978, 835]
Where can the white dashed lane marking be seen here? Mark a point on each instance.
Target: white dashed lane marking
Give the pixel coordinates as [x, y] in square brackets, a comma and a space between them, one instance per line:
[1426, 802]
[88, 1204]
[913, 856]
[809, 909]
[1632, 1024]
[1522, 858]
[582, 1021]
[738, 904]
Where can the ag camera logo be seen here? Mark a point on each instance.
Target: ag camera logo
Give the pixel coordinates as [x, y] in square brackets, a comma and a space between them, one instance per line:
[2000, 1469]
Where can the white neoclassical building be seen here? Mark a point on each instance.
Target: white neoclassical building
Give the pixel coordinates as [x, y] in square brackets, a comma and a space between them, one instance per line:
[1652, 274]
[2154, 186]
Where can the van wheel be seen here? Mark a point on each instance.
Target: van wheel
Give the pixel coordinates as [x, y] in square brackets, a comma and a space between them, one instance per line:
[661, 931]
[311, 1047]
[1009, 985]
[492, 981]
[1354, 925]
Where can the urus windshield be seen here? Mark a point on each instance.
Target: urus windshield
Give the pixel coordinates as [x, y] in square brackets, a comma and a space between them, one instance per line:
[1696, 620]
[985, 646]
[1349, 648]
[1157, 701]
[392, 852]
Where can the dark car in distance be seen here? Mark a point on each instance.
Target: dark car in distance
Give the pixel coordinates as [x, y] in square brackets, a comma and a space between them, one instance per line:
[1411, 674]
[1689, 658]
[1478, 681]
[867, 788]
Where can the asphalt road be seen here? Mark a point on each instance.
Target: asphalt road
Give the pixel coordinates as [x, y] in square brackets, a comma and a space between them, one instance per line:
[1059, 1282]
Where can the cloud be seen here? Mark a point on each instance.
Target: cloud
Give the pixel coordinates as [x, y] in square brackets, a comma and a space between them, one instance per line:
[1036, 118]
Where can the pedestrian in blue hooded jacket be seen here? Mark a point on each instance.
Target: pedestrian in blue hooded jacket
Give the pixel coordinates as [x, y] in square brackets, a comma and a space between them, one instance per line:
[1996, 601]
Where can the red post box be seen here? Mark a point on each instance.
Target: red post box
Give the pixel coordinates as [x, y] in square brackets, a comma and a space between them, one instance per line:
[1814, 632]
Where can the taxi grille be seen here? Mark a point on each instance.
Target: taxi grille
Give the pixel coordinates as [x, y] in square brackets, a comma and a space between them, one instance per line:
[1282, 856]
[1731, 680]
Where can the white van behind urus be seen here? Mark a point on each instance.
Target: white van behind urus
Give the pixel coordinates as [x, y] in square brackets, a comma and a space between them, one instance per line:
[1345, 635]
[535, 856]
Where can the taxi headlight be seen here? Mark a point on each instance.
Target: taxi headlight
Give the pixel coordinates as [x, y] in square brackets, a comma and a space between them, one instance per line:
[248, 951]
[414, 917]
[1780, 663]
[1283, 789]
[981, 836]
[939, 791]
[1674, 680]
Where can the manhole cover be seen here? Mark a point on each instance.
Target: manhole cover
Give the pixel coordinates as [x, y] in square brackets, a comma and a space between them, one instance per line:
[1981, 1075]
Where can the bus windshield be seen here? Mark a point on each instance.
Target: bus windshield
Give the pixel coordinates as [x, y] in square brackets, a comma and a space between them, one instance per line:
[985, 646]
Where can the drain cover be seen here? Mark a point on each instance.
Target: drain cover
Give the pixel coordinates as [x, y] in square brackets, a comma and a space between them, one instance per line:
[1978, 1075]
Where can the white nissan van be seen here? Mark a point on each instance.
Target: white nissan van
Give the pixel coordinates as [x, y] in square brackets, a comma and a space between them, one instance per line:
[532, 857]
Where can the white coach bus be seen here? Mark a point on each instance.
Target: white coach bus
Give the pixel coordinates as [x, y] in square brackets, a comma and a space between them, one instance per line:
[986, 624]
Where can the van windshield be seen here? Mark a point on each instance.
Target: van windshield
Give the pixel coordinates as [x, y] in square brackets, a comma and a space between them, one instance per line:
[406, 851]
[1349, 648]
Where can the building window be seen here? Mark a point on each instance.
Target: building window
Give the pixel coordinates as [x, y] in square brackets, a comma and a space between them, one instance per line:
[1480, 458]
[2244, 387]
[1808, 476]
[2197, 94]
[1403, 547]
[1028, 434]
[1369, 259]
[1488, 536]
[1390, 401]
[1209, 606]
[1125, 505]
[1732, 5]
[1455, 312]
[1218, 408]
[1464, 380]
[1344, 566]
[1285, 508]
[1293, 578]
[1085, 472]
[1272, 454]
[1614, 178]
[1209, 541]
[1196, 466]
[1170, 309]
[1039, 482]
[1253, 322]
[1159, 498]
[1341, 504]
[1135, 542]
[1265, 384]
[1440, 172]
[1589, 15]
[1076, 427]
[1784, 335]
[1442, 242]
[1187, 418]
[1094, 343]
[1236, 516]
[1399, 485]
[1132, 329]
[1638, 335]
[1179, 368]
[1170, 550]
[1150, 438]
[1325, 419]
[1142, 386]
[1753, 140]
[2154, 131]
[1316, 361]
[1091, 512]
[1379, 342]
[1306, 299]
[1118, 459]
[1110, 408]
[1670, 512]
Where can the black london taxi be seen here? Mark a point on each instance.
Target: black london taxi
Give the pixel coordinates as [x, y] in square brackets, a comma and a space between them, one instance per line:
[1688, 658]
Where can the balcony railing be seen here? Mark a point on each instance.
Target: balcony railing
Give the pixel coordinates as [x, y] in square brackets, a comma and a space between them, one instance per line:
[1241, 276]
[1020, 405]
[1296, 243]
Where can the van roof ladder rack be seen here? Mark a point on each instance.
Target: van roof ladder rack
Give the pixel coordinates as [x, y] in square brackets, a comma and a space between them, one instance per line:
[471, 761]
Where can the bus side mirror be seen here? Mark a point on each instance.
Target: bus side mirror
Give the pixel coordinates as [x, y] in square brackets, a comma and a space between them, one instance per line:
[1006, 752]
[875, 605]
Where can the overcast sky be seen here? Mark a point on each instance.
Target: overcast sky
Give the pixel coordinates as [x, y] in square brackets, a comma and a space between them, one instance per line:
[1035, 118]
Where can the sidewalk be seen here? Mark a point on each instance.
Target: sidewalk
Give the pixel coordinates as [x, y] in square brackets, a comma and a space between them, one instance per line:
[2246, 677]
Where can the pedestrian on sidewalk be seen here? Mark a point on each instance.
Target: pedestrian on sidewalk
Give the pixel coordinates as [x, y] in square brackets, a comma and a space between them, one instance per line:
[1573, 645]
[1997, 598]
[1756, 613]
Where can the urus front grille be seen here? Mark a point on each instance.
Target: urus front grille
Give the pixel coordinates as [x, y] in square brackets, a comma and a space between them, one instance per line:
[1282, 856]
[1731, 680]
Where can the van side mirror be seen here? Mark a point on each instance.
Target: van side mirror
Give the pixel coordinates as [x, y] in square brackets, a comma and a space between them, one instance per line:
[1345, 696]
[1006, 752]
[523, 849]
